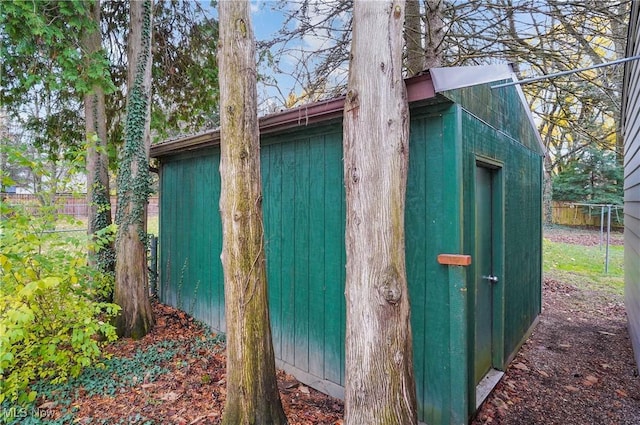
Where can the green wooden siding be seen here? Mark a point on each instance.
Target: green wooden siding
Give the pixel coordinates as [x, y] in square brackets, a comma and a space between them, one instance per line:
[433, 217]
[501, 108]
[304, 206]
[190, 228]
[304, 227]
[520, 265]
[303, 200]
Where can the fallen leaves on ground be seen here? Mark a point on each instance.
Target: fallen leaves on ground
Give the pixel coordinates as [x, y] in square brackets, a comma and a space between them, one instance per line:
[193, 392]
[576, 368]
[584, 237]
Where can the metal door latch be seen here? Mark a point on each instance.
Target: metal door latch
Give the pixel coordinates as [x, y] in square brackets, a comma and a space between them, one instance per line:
[492, 279]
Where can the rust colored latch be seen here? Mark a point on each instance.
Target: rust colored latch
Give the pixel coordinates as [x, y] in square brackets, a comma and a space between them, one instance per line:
[454, 259]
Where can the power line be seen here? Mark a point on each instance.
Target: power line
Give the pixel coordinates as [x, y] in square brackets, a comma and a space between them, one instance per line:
[560, 74]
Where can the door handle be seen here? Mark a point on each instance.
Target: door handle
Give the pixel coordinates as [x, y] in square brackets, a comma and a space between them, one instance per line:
[491, 278]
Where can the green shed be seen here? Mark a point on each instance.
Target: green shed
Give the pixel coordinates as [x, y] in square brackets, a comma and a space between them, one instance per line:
[473, 235]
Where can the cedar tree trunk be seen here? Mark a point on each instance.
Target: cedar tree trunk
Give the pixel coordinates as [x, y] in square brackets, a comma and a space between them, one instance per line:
[413, 38]
[98, 198]
[131, 289]
[252, 392]
[547, 191]
[434, 34]
[380, 386]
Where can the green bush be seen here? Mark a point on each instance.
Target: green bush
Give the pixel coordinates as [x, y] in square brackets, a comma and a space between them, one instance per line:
[51, 325]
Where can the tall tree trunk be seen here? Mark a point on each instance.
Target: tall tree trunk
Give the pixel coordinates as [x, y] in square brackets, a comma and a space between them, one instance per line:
[434, 33]
[380, 385]
[98, 198]
[131, 289]
[413, 38]
[252, 392]
[5, 138]
[619, 30]
[547, 191]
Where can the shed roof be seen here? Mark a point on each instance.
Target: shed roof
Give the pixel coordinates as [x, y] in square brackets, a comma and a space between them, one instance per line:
[429, 87]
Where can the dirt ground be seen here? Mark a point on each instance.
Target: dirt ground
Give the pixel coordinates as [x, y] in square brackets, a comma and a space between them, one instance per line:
[576, 368]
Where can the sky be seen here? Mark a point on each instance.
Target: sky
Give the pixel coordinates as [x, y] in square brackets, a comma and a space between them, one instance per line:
[268, 19]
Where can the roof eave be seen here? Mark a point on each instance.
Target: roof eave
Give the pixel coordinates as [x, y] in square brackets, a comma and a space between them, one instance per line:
[419, 88]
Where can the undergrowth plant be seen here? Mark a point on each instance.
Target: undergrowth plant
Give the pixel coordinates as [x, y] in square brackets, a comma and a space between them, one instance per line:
[51, 324]
[113, 376]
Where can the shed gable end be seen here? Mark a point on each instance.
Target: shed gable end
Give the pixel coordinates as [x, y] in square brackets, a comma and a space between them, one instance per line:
[502, 108]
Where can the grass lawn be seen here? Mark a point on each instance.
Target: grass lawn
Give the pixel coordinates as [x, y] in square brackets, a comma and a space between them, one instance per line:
[583, 266]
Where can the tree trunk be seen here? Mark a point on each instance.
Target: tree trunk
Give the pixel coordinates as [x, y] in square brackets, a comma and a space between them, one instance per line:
[252, 392]
[434, 34]
[413, 38]
[547, 191]
[380, 386]
[98, 198]
[619, 30]
[131, 289]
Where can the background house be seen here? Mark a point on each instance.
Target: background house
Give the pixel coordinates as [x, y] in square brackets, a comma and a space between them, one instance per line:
[631, 134]
[473, 235]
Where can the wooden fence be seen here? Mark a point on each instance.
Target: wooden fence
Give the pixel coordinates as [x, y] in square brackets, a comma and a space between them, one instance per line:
[569, 214]
[72, 205]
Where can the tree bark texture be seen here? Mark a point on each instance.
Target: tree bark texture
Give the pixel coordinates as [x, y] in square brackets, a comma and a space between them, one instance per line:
[413, 36]
[98, 198]
[547, 177]
[252, 392]
[434, 33]
[380, 386]
[131, 288]
[619, 27]
[547, 191]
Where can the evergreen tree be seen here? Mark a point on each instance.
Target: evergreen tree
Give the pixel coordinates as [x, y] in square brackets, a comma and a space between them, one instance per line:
[595, 178]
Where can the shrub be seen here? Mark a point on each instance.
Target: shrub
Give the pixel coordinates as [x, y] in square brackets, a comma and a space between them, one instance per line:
[51, 325]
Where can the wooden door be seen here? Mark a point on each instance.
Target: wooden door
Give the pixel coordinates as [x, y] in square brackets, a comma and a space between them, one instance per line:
[485, 278]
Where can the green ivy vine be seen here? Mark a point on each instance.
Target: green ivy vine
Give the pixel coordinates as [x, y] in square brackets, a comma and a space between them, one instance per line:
[135, 189]
[105, 257]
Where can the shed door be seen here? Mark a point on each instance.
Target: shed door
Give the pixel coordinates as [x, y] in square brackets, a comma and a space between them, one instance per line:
[485, 278]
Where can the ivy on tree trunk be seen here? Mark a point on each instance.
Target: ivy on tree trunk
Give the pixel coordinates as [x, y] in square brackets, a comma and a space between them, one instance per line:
[131, 287]
[98, 197]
